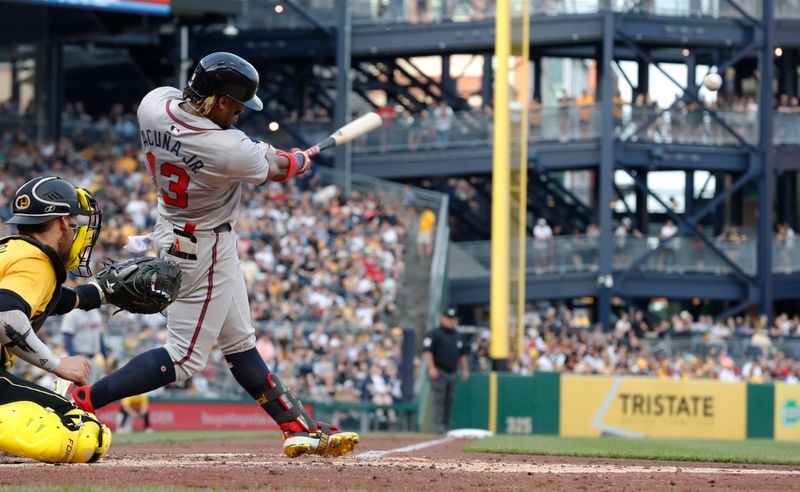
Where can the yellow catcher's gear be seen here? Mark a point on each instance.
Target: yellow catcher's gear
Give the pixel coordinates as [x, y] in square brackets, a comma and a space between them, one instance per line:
[85, 235]
[30, 430]
[33, 272]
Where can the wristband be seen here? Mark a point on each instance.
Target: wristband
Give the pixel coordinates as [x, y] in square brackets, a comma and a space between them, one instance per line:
[304, 165]
[292, 165]
[90, 296]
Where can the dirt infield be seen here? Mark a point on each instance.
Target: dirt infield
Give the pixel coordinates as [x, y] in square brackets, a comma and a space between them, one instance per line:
[379, 464]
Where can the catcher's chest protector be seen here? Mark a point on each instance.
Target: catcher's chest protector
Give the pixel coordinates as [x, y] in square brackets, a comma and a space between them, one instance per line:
[6, 358]
[32, 431]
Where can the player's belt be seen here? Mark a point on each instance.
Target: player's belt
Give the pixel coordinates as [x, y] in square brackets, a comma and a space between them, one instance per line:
[222, 228]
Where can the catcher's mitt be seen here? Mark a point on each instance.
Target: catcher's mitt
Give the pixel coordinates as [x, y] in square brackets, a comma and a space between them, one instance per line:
[140, 285]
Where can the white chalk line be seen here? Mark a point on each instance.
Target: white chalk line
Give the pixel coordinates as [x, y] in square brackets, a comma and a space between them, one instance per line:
[404, 449]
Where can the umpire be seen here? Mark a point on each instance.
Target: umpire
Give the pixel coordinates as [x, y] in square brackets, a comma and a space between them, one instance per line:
[444, 351]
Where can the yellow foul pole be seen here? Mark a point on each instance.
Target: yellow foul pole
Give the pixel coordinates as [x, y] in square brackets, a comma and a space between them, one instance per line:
[501, 180]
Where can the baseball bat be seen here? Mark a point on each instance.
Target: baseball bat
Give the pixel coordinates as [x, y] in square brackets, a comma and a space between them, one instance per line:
[359, 126]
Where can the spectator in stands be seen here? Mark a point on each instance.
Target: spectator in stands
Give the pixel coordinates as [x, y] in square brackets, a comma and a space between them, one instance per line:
[443, 122]
[585, 103]
[668, 230]
[622, 257]
[418, 130]
[542, 243]
[387, 112]
[623, 326]
[565, 132]
[618, 104]
[379, 391]
[785, 242]
[535, 117]
[419, 11]
[427, 223]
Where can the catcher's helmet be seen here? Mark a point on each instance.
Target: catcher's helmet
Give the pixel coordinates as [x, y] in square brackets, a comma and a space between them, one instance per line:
[225, 74]
[43, 199]
[48, 197]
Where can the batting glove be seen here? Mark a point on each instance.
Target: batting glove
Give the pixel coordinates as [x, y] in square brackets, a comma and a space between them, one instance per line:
[303, 161]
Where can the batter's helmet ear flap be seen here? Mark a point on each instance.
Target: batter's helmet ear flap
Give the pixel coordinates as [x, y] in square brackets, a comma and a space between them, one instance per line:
[226, 74]
[90, 219]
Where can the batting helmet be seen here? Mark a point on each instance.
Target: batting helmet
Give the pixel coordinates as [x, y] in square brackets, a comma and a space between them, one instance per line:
[225, 74]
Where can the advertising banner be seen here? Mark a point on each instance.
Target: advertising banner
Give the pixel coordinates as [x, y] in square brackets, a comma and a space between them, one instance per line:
[197, 415]
[145, 7]
[593, 406]
[787, 412]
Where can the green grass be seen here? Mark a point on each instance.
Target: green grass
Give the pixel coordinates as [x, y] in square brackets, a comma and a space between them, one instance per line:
[754, 451]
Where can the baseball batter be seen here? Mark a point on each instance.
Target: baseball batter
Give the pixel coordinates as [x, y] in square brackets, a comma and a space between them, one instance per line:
[198, 162]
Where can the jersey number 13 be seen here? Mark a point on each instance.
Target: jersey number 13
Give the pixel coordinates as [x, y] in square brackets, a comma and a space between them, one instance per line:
[176, 180]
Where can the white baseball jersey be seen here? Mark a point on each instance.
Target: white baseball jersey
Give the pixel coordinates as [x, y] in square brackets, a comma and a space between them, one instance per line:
[199, 170]
[86, 328]
[197, 167]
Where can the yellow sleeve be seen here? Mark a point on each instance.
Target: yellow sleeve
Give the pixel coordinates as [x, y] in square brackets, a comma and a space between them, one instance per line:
[33, 279]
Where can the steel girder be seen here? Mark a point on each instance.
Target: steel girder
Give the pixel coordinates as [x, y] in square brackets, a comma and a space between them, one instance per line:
[758, 288]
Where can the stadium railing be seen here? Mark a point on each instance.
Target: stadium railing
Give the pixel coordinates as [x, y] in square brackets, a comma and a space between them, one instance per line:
[264, 14]
[739, 348]
[408, 132]
[578, 253]
[417, 132]
[364, 414]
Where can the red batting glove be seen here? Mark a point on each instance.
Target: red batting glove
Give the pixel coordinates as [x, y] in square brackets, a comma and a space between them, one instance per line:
[303, 161]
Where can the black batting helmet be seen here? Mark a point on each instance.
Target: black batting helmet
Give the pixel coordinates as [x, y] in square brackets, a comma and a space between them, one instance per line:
[225, 74]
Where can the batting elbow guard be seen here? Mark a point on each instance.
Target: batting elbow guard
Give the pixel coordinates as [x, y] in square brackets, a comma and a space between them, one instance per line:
[283, 407]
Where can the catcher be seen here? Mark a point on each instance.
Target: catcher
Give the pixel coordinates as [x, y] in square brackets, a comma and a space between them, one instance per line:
[57, 227]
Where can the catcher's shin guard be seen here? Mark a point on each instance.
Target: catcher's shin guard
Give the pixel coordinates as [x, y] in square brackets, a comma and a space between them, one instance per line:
[32, 431]
[302, 435]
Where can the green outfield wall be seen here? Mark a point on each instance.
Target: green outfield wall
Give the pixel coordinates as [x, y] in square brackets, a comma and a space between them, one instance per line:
[570, 405]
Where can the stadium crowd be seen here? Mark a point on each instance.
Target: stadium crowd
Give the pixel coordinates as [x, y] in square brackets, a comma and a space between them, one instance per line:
[323, 269]
[680, 347]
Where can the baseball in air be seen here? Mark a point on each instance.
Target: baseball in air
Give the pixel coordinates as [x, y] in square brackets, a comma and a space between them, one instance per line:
[713, 81]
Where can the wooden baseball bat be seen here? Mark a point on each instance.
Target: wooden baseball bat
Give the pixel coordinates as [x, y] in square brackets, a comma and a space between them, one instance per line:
[359, 126]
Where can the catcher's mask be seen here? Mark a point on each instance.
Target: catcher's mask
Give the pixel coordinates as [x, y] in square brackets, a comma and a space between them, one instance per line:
[46, 198]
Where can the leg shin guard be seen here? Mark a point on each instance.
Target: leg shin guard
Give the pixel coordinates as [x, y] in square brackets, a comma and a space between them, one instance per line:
[269, 391]
[282, 406]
